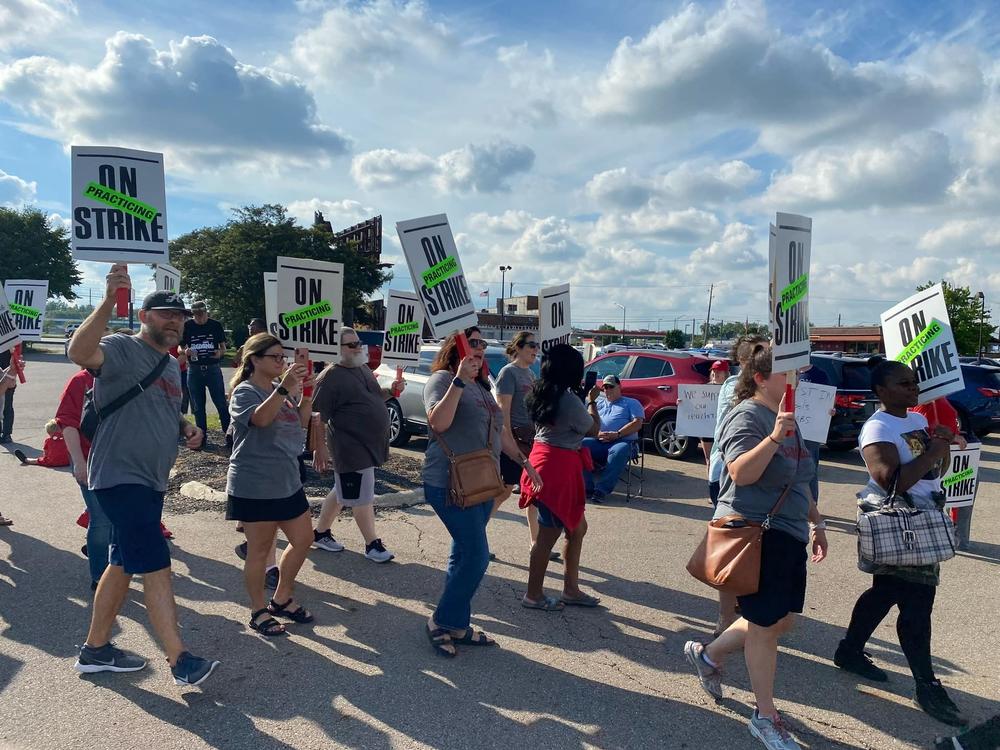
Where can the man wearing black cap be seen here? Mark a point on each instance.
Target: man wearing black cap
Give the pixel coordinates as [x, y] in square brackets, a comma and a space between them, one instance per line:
[131, 455]
[204, 343]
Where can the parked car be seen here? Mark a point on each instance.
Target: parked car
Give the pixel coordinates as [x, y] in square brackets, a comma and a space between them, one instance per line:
[855, 401]
[978, 406]
[406, 413]
[979, 361]
[652, 378]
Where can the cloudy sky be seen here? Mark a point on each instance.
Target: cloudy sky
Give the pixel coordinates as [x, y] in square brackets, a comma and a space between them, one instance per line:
[636, 150]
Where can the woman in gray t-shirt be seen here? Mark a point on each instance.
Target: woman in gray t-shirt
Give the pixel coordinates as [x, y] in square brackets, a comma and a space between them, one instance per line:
[264, 488]
[461, 409]
[764, 454]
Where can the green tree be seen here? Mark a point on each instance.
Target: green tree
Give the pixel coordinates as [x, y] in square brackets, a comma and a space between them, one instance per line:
[675, 339]
[31, 248]
[964, 310]
[223, 265]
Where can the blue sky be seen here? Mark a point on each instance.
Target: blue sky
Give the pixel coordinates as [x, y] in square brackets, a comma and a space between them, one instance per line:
[636, 150]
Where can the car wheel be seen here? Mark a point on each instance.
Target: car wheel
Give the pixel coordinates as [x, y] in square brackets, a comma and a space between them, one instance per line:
[397, 432]
[666, 440]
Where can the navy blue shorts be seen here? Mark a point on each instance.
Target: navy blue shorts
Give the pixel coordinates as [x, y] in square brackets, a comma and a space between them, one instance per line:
[782, 580]
[137, 544]
[546, 518]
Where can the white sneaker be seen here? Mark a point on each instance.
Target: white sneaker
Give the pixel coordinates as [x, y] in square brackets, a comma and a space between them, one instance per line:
[376, 552]
[325, 541]
[773, 734]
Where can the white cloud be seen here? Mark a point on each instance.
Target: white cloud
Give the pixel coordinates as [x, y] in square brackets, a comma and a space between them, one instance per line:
[341, 214]
[370, 39]
[914, 169]
[735, 251]
[25, 21]
[15, 192]
[195, 101]
[483, 168]
[509, 222]
[735, 65]
[691, 182]
[961, 235]
[657, 220]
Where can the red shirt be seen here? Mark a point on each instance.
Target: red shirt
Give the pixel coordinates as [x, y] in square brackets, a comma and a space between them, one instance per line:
[70, 409]
[939, 411]
[174, 352]
[54, 452]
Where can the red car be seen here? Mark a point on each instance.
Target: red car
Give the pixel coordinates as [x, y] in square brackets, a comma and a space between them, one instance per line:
[651, 377]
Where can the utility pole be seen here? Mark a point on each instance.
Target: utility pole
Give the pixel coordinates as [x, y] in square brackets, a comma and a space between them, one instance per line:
[708, 318]
[694, 330]
[503, 303]
[838, 320]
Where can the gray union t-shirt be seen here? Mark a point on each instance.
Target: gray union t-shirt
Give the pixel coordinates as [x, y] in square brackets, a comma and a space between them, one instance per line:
[468, 431]
[516, 382]
[573, 422]
[138, 443]
[264, 462]
[746, 425]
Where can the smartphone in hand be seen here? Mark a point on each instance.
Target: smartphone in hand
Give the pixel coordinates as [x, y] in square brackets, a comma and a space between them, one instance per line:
[302, 358]
[589, 381]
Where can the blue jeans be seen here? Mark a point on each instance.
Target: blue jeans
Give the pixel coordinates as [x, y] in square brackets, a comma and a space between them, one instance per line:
[814, 452]
[469, 558]
[614, 456]
[98, 535]
[200, 377]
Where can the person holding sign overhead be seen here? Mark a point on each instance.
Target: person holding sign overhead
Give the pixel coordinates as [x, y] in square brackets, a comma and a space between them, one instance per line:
[463, 419]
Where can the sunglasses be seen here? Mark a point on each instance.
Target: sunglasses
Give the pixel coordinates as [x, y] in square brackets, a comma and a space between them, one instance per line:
[609, 386]
[530, 344]
[354, 345]
[279, 358]
[477, 343]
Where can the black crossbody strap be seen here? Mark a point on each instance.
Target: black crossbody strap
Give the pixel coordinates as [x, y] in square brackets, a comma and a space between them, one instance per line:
[135, 390]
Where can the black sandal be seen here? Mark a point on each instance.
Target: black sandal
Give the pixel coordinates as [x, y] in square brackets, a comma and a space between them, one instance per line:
[300, 615]
[439, 638]
[269, 627]
[474, 637]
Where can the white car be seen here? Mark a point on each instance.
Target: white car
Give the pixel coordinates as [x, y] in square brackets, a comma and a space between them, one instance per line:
[407, 416]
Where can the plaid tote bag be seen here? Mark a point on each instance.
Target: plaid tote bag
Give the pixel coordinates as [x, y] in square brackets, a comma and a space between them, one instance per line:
[898, 533]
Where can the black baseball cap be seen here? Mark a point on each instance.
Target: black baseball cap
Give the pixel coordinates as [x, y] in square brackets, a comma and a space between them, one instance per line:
[164, 300]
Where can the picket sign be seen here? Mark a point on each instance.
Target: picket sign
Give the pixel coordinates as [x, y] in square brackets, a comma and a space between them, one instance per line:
[168, 278]
[26, 298]
[404, 324]
[436, 271]
[813, 402]
[790, 248]
[271, 302]
[696, 407]
[960, 480]
[10, 334]
[917, 332]
[310, 300]
[554, 325]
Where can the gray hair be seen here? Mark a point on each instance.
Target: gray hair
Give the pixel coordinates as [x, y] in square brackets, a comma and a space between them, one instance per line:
[346, 329]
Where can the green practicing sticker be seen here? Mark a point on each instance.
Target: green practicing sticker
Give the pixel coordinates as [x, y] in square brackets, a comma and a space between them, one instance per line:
[404, 328]
[306, 314]
[920, 342]
[440, 271]
[794, 292]
[960, 477]
[110, 197]
[27, 312]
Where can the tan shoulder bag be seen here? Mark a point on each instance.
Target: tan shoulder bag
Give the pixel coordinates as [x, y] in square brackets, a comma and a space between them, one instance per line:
[475, 477]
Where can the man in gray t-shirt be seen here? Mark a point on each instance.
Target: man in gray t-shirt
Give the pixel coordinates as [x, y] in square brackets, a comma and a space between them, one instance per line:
[130, 459]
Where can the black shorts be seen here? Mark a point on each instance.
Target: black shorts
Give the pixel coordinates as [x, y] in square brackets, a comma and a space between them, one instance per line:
[510, 470]
[137, 544]
[782, 580]
[713, 493]
[251, 510]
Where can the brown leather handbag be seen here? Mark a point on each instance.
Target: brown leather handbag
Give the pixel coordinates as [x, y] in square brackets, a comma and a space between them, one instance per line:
[728, 558]
[474, 477]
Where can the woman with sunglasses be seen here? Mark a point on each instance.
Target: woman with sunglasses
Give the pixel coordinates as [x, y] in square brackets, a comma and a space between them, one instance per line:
[514, 383]
[264, 486]
[461, 409]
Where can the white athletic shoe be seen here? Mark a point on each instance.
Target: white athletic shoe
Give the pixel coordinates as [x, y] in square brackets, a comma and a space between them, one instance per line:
[325, 541]
[376, 552]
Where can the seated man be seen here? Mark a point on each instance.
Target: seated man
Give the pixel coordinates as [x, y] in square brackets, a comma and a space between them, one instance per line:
[621, 423]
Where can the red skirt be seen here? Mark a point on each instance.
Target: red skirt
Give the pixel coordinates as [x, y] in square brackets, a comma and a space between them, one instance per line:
[561, 470]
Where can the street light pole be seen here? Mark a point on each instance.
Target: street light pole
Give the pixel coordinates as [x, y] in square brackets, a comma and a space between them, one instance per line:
[982, 319]
[623, 320]
[503, 300]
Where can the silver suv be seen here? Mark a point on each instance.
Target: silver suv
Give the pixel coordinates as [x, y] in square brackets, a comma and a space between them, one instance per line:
[407, 416]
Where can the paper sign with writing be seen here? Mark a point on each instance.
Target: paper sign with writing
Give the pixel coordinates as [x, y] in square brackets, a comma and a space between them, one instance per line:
[790, 249]
[119, 205]
[168, 278]
[10, 335]
[429, 244]
[918, 333]
[696, 406]
[554, 325]
[404, 322]
[310, 296]
[813, 403]
[959, 481]
[26, 300]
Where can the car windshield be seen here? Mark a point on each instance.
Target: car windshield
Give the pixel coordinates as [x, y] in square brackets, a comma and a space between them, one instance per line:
[981, 376]
[857, 377]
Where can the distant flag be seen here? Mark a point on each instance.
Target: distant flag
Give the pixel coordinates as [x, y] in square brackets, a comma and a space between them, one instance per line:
[485, 293]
